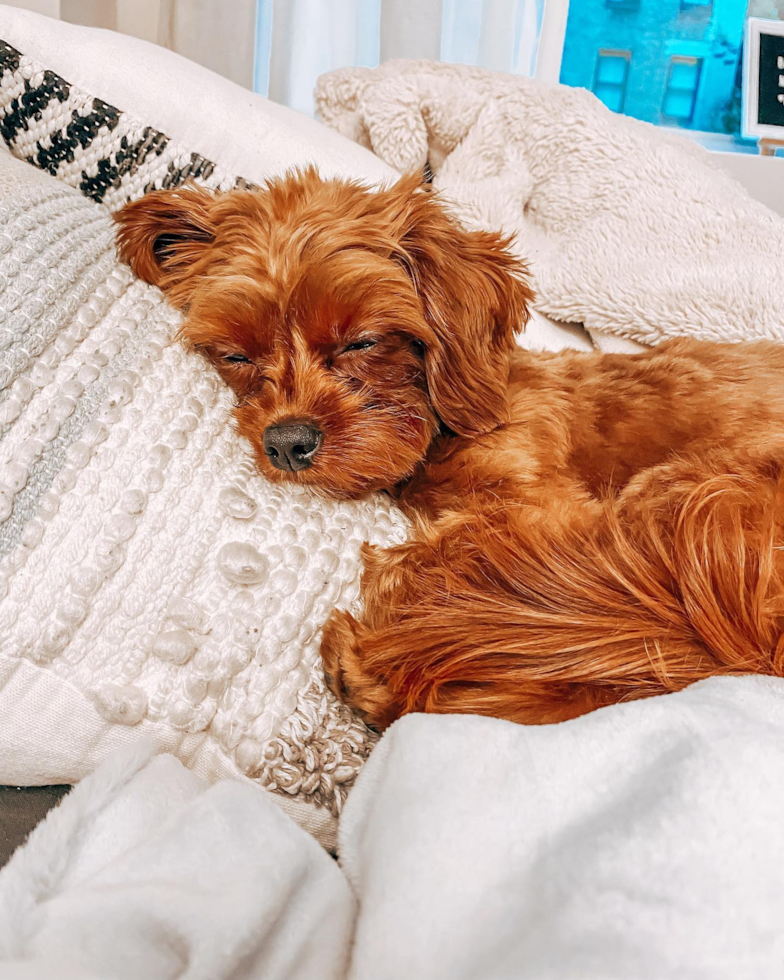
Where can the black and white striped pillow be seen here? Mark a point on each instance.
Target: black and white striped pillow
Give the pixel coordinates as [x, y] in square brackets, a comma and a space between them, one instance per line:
[104, 152]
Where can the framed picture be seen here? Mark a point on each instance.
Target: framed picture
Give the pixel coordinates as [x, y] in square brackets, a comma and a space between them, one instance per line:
[763, 79]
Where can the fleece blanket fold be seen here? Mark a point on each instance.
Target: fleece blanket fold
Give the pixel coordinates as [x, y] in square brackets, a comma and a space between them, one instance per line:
[145, 871]
[642, 841]
[629, 230]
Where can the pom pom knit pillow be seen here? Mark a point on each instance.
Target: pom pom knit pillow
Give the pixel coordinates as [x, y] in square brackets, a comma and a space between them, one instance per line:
[151, 582]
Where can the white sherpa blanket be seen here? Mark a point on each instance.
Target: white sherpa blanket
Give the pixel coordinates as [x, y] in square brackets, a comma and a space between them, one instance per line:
[642, 841]
[628, 230]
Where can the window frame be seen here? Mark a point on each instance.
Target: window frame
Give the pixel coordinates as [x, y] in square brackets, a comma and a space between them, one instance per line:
[750, 125]
[552, 33]
[696, 6]
[682, 59]
[619, 54]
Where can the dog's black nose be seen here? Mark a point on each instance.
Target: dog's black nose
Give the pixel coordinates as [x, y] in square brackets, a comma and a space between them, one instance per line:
[291, 446]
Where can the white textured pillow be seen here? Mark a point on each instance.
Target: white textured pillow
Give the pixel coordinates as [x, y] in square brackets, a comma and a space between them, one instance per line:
[151, 581]
[239, 131]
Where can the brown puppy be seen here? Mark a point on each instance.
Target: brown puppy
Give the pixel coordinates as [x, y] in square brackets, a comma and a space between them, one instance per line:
[588, 528]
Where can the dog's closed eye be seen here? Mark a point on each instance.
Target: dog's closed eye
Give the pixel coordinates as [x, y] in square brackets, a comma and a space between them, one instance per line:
[237, 359]
[365, 344]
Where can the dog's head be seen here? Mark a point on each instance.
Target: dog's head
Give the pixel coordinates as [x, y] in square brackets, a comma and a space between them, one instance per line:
[352, 325]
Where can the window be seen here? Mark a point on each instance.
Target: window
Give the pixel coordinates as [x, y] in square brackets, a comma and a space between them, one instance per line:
[703, 96]
[680, 96]
[612, 74]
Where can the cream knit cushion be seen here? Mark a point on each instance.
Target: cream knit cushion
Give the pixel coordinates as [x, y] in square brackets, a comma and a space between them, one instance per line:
[152, 582]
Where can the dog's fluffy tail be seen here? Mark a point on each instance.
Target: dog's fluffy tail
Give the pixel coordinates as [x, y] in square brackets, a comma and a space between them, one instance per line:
[539, 623]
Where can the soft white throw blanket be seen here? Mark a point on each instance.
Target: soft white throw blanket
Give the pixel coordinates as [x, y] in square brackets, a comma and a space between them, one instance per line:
[629, 230]
[641, 841]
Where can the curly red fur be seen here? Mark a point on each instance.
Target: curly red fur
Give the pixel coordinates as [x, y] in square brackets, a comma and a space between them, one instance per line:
[587, 528]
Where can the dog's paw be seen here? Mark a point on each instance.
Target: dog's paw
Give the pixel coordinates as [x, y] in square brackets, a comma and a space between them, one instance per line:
[338, 641]
[346, 676]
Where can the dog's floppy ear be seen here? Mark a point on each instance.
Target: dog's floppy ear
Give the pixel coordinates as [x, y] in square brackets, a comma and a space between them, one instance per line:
[475, 295]
[165, 237]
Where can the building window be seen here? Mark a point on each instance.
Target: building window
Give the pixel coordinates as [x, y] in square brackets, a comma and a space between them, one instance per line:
[622, 4]
[710, 31]
[680, 96]
[612, 74]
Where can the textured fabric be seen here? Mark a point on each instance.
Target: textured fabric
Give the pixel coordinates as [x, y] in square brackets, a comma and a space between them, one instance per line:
[144, 873]
[641, 841]
[628, 230]
[144, 564]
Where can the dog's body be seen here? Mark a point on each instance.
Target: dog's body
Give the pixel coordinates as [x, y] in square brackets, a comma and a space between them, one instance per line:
[587, 528]
[617, 538]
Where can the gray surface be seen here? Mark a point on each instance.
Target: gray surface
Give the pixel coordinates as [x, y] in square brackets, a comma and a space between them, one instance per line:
[21, 809]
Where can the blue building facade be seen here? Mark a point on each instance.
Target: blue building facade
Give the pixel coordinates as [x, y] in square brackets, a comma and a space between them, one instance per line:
[669, 62]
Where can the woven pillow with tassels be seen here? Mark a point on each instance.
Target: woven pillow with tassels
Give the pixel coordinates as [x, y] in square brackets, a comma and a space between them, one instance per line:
[151, 582]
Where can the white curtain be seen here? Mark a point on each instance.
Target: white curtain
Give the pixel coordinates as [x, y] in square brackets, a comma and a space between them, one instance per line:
[410, 29]
[300, 39]
[502, 46]
[219, 34]
[280, 47]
